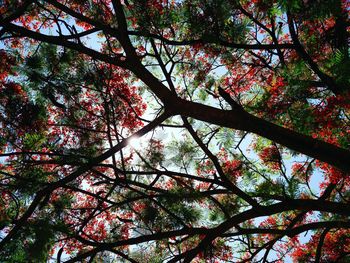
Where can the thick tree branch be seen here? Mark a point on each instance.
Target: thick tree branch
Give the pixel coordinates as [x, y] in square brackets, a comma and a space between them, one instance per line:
[244, 121]
[311, 205]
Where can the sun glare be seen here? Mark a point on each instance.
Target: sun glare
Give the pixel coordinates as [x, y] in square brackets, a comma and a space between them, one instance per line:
[135, 142]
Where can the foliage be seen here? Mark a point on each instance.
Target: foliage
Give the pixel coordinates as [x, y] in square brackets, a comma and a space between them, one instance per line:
[241, 109]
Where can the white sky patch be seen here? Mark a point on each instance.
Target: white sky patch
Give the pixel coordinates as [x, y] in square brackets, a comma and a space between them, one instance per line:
[135, 142]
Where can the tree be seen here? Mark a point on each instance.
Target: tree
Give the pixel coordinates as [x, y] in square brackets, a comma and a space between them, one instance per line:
[242, 109]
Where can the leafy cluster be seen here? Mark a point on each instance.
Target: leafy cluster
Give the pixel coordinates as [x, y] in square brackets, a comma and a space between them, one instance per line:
[174, 131]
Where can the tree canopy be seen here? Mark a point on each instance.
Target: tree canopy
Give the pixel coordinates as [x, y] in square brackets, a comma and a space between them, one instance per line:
[174, 131]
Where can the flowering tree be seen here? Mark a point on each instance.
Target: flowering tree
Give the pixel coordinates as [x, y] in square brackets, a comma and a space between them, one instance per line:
[241, 109]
